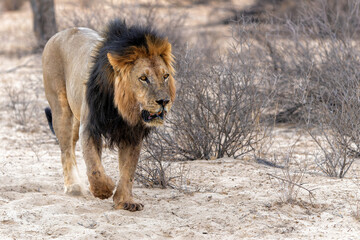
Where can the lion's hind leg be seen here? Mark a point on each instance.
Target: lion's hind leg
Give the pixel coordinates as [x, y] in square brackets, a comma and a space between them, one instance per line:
[66, 128]
[74, 187]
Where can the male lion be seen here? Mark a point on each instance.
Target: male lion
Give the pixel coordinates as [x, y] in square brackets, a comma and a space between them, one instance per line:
[114, 87]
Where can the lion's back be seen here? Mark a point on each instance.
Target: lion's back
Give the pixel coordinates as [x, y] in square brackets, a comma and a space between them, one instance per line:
[67, 58]
[69, 48]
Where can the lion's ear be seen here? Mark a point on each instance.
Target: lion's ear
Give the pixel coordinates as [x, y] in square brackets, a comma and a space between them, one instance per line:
[168, 57]
[122, 64]
[113, 61]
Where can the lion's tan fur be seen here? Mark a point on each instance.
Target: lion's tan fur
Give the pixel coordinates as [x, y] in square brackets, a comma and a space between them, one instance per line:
[67, 60]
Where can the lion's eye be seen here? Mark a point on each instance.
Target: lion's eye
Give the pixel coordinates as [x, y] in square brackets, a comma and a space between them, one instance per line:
[143, 78]
[166, 76]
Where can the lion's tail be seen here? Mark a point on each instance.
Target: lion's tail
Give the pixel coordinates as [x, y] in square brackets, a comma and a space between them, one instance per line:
[49, 118]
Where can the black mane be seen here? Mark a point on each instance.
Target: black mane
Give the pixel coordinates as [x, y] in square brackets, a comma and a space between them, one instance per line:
[104, 119]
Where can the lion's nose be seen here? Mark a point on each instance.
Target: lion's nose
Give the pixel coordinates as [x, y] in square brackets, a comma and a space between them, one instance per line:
[163, 102]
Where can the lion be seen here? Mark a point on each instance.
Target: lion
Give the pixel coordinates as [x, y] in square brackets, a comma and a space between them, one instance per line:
[107, 89]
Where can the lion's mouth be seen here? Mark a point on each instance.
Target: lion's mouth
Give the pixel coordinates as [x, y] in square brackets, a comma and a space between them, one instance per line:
[148, 117]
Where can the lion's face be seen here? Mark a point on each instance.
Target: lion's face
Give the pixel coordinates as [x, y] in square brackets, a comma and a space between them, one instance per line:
[153, 88]
[146, 91]
[144, 85]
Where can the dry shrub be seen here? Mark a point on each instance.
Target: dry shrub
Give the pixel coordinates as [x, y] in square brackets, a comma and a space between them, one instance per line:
[337, 111]
[24, 103]
[315, 15]
[155, 169]
[12, 5]
[329, 89]
[330, 17]
[24, 106]
[313, 62]
[219, 106]
[19, 104]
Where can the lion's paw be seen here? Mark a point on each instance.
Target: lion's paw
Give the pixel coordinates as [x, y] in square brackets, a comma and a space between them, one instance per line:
[102, 189]
[130, 206]
[74, 190]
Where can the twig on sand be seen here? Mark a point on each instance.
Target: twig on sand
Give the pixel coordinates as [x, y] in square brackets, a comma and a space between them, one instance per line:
[296, 184]
[91, 225]
[14, 69]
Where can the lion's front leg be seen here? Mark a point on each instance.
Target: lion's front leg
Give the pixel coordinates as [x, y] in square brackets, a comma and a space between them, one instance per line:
[101, 185]
[128, 158]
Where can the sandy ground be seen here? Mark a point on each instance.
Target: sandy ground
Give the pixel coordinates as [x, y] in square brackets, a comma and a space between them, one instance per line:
[218, 199]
